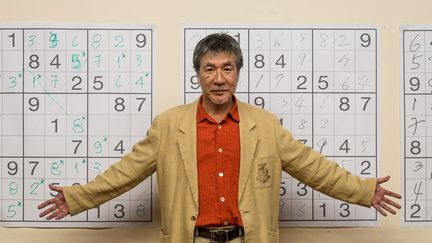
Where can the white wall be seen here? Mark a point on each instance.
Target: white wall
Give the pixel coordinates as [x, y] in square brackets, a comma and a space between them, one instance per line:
[167, 16]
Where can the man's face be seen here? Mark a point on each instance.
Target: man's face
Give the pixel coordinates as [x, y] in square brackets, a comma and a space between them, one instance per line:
[218, 77]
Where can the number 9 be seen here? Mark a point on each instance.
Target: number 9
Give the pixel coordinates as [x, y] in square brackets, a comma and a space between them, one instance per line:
[259, 101]
[34, 104]
[141, 39]
[415, 84]
[12, 167]
[366, 39]
[194, 82]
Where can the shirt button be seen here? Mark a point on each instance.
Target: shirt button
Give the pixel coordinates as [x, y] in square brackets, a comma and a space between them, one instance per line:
[222, 199]
[219, 126]
[221, 174]
[225, 222]
[220, 150]
[193, 218]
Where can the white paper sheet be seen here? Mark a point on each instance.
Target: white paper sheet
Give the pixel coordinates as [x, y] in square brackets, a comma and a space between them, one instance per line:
[73, 101]
[416, 98]
[323, 84]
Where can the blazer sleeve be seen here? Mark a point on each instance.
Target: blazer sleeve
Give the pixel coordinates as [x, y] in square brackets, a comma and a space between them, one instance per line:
[316, 171]
[122, 176]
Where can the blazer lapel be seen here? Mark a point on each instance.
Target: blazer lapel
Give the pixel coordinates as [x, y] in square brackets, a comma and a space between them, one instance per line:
[248, 142]
[187, 146]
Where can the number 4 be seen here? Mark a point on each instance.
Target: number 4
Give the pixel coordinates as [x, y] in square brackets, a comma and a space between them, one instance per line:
[55, 61]
[344, 146]
[119, 147]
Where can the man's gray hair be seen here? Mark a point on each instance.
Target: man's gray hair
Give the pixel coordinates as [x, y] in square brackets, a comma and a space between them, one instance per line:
[217, 43]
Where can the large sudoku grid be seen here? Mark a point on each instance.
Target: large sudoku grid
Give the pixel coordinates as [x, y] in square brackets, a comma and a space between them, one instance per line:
[322, 84]
[72, 102]
[416, 130]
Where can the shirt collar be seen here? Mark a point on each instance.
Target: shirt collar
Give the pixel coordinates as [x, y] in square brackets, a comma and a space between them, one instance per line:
[202, 113]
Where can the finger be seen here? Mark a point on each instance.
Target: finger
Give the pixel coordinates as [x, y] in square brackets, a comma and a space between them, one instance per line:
[62, 215]
[56, 188]
[49, 210]
[46, 203]
[387, 208]
[54, 214]
[383, 179]
[393, 194]
[388, 201]
[379, 209]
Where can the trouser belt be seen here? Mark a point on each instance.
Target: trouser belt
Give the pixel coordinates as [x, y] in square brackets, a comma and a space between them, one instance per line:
[219, 234]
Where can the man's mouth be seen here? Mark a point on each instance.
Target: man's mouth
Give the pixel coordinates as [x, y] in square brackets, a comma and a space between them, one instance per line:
[218, 90]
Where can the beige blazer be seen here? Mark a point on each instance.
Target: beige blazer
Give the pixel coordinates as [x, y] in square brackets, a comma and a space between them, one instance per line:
[266, 149]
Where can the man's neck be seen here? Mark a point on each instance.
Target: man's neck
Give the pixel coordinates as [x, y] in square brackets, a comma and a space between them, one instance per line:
[217, 112]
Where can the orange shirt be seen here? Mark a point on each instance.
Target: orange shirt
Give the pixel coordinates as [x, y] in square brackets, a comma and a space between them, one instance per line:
[218, 150]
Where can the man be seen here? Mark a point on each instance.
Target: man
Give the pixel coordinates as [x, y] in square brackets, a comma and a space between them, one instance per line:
[219, 164]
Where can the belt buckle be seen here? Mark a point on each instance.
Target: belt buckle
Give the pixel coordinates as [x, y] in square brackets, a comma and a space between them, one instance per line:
[213, 236]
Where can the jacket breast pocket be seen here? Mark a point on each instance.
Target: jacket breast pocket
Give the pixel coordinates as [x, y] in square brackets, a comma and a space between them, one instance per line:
[263, 172]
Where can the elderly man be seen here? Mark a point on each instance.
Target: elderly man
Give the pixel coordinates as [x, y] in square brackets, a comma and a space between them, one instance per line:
[219, 163]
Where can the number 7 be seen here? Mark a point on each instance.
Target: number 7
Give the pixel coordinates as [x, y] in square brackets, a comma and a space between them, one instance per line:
[78, 144]
[367, 99]
[34, 166]
[142, 102]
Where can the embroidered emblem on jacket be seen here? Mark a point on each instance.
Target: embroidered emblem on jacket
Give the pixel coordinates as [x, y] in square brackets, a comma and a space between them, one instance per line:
[263, 173]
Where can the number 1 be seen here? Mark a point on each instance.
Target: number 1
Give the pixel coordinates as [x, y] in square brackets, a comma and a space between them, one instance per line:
[13, 39]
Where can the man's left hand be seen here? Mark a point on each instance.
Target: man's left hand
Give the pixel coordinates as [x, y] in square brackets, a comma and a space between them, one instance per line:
[380, 202]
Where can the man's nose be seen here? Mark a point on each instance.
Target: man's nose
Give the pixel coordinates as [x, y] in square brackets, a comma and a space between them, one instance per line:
[219, 79]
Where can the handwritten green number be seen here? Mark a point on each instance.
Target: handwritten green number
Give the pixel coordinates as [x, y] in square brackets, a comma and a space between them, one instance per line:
[34, 186]
[118, 81]
[96, 167]
[78, 125]
[98, 60]
[140, 80]
[11, 211]
[96, 41]
[32, 39]
[98, 147]
[12, 82]
[36, 79]
[120, 58]
[76, 61]
[13, 188]
[77, 165]
[54, 80]
[53, 40]
[74, 41]
[138, 57]
[119, 41]
[55, 168]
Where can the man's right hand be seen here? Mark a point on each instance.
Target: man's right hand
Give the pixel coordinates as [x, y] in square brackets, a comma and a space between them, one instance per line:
[59, 208]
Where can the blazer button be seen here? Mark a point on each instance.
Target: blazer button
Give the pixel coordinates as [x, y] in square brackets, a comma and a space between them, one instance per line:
[193, 218]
